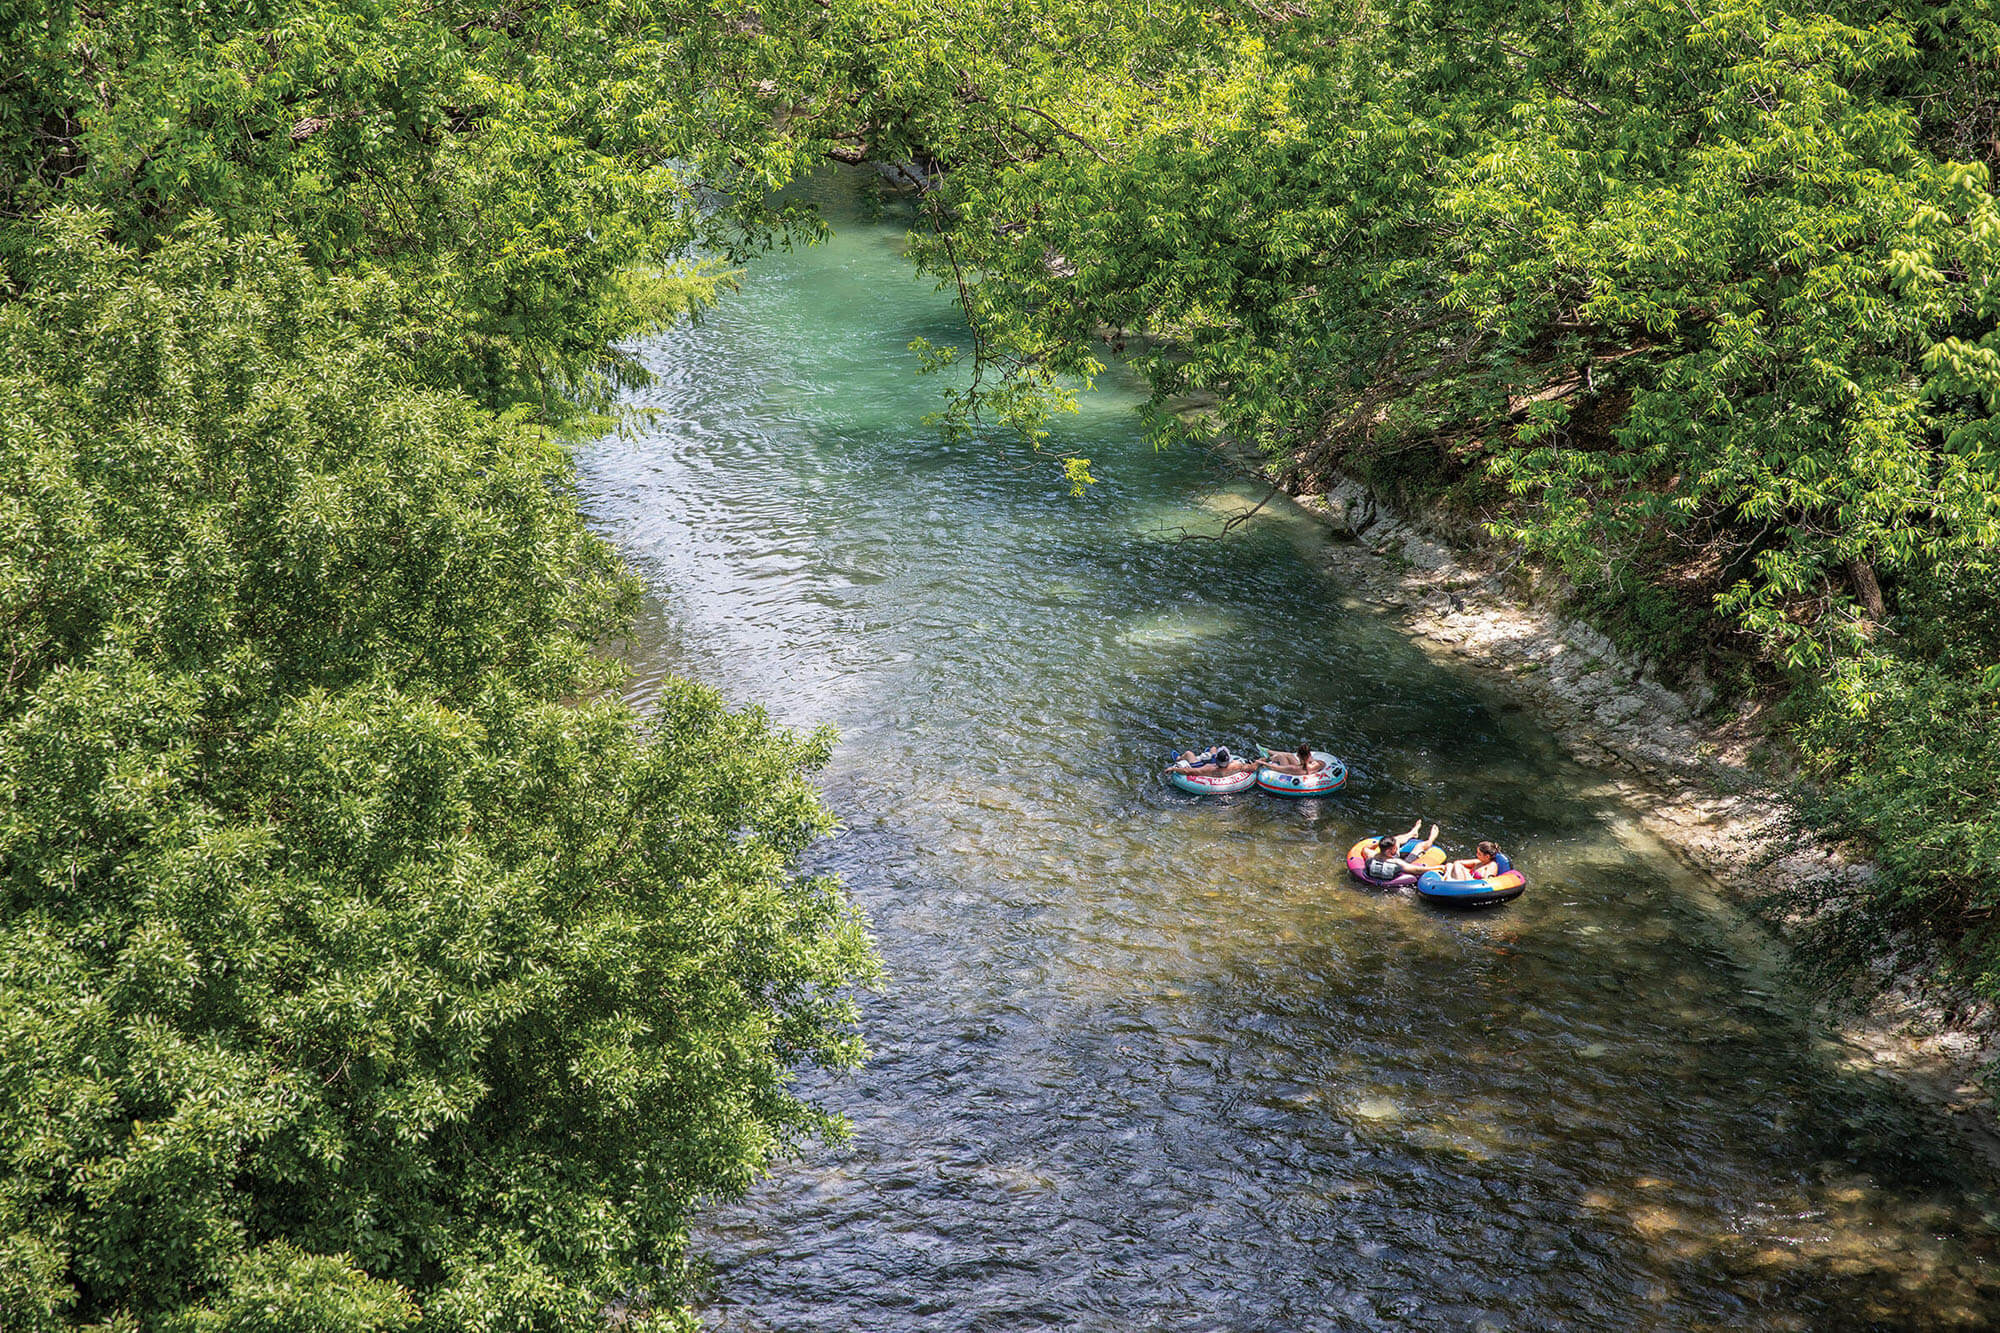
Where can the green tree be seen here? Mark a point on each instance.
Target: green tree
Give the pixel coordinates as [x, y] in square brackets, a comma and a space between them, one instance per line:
[364, 965]
[531, 175]
[1653, 269]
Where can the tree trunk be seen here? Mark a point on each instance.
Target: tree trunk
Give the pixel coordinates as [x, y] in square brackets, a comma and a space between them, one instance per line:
[1862, 575]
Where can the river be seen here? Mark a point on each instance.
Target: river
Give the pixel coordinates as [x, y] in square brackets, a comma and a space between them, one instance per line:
[1147, 1061]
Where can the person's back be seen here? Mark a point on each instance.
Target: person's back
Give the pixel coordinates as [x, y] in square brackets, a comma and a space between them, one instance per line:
[1385, 867]
[1382, 860]
[1300, 762]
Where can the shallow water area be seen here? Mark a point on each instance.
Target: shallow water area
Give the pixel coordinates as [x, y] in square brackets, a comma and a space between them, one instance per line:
[1153, 1061]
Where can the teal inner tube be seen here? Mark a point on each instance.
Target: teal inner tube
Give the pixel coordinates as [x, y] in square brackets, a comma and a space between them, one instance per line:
[1329, 779]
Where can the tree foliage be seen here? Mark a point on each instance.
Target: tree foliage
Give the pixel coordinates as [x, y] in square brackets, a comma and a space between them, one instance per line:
[516, 168]
[351, 961]
[363, 963]
[1652, 267]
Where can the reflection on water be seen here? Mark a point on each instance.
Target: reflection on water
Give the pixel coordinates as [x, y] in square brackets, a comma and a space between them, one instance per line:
[1150, 1061]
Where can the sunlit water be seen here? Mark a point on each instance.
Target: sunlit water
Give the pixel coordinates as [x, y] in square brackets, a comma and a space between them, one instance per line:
[1148, 1061]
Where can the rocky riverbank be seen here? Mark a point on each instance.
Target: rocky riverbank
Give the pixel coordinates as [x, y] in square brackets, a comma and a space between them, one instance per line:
[1707, 786]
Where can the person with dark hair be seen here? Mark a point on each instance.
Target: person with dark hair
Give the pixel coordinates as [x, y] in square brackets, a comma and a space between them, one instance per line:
[1217, 762]
[1389, 858]
[1487, 863]
[1301, 763]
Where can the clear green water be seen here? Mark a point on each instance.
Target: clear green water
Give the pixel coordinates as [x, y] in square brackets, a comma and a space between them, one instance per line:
[1154, 1062]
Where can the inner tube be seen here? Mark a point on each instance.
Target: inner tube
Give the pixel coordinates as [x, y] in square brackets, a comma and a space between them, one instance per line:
[1226, 785]
[1504, 887]
[1357, 865]
[1331, 778]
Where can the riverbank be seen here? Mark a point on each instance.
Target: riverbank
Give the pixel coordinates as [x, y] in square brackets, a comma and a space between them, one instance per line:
[1708, 785]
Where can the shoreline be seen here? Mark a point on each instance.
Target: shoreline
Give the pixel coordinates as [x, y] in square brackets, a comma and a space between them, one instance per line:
[1695, 782]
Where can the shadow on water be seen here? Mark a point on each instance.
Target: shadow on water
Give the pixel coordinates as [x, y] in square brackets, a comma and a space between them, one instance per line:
[1151, 1061]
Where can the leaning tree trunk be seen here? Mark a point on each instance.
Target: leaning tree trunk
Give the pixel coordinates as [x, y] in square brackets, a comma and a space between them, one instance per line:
[1862, 574]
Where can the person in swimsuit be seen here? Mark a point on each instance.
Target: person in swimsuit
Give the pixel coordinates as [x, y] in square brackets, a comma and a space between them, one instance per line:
[1212, 756]
[1391, 858]
[1489, 861]
[1383, 864]
[1302, 763]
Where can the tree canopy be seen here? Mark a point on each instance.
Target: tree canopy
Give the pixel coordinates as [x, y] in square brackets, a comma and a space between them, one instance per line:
[522, 171]
[1650, 268]
[358, 949]
[364, 963]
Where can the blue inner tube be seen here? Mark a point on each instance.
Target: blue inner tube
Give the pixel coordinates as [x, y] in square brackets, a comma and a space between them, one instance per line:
[1471, 892]
[1331, 778]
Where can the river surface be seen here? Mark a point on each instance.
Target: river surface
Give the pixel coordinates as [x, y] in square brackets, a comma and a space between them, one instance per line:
[1147, 1061]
